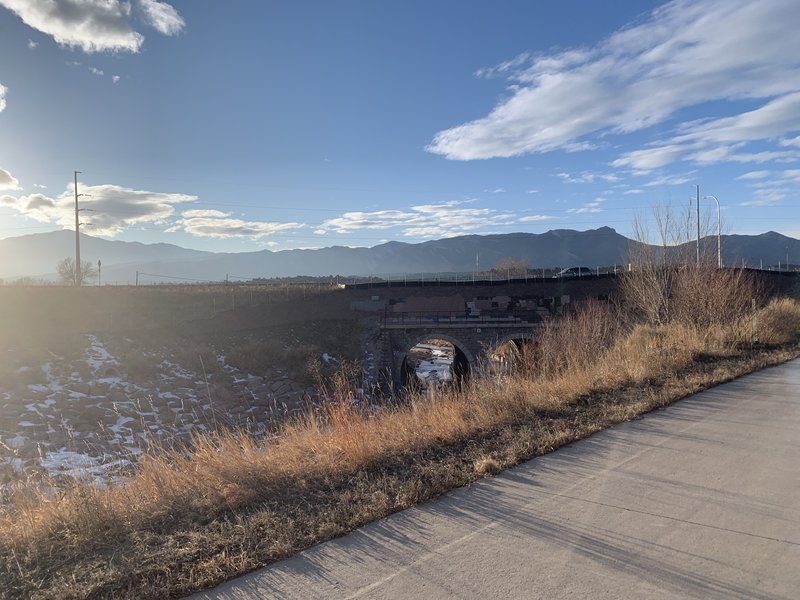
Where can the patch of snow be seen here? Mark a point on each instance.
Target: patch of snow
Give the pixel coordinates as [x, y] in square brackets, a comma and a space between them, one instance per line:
[18, 441]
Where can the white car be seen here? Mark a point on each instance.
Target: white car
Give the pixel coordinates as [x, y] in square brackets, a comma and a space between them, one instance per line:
[574, 272]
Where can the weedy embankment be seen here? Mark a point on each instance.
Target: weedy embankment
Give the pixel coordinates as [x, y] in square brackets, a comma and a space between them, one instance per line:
[186, 521]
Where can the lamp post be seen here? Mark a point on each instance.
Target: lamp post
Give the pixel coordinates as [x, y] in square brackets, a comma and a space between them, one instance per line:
[719, 232]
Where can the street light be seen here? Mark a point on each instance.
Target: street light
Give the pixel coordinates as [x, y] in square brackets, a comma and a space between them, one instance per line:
[719, 231]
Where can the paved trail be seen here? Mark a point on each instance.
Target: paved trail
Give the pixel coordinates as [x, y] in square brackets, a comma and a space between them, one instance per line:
[699, 500]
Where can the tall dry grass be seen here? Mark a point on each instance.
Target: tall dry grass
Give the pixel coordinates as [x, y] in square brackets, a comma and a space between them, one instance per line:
[229, 477]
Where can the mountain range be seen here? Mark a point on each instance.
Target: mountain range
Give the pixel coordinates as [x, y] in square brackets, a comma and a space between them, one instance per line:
[36, 256]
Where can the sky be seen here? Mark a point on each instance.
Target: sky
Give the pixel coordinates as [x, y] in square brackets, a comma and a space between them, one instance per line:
[249, 125]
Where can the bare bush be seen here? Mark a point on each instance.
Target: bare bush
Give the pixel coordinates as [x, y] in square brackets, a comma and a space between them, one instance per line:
[671, 282]
[574, 342]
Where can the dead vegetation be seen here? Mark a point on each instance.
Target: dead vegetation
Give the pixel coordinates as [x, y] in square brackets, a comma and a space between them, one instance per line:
[189, 520]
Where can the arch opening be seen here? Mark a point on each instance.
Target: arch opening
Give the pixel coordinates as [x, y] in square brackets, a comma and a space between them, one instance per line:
[433, 363]
[509, 355]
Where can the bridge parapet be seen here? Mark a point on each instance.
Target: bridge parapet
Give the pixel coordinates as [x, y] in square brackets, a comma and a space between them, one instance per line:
[457, 320]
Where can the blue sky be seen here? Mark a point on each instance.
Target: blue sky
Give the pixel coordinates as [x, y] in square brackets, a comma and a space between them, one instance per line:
[233, 126]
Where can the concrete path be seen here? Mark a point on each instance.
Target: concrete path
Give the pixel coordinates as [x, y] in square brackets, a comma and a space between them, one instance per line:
[699, 500]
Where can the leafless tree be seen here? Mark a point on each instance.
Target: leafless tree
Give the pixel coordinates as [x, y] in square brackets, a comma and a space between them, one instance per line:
[510, 267]
[68, 273]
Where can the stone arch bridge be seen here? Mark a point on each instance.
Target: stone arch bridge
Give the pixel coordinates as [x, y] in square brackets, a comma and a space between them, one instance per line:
[474, 338]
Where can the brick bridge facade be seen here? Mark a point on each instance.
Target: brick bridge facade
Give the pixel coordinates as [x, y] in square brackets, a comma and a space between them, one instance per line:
[473, 339]
[476, 320]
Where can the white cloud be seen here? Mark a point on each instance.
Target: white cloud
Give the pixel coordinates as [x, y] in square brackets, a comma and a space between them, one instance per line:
[162, 17]
[95, 25]
[40, 186]
[8, 181]
[633, 191]
[587, 177]
[534, 218]
[768, 197]
[115, 78]
[422, 221]
[651, 158]
[95, 71]
[682, 55]
[717, 140]
[791, 142]
[792, 175]
[754, 175]
[109, 209]
[32, 45]
[3, 90]
[669, 180]
[201, 213]
[595, 206]
[531, 191]
[220, 225]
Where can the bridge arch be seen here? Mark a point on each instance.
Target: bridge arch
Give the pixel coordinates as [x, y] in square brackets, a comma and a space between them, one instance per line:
[505, 352]
[463, 357]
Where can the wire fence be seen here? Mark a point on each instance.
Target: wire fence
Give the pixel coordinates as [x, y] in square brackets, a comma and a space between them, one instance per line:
[378, 280]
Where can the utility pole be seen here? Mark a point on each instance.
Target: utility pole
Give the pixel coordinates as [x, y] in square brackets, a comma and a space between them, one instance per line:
[697, 188]
[77, 236]
[719, 232]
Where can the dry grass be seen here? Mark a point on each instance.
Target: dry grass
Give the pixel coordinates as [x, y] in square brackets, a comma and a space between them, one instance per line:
[188, 520]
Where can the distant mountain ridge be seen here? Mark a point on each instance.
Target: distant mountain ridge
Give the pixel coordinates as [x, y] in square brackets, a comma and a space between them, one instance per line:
[36, 255]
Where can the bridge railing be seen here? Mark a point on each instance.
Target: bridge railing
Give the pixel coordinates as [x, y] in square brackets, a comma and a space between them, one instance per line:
[381, 280]
[434, 318]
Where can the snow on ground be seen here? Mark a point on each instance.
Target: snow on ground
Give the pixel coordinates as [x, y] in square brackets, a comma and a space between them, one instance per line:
[90, 418]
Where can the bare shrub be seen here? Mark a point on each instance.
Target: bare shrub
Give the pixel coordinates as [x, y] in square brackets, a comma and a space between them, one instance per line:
[487, 465]
[708, 297]
[670, 283]
[573, 343]
[778, 322]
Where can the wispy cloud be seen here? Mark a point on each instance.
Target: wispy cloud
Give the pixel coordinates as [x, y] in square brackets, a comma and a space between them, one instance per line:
[95, 71]
[719, 140]
[588, 177]
[3, 90]
[96, 25]
[423, 221]
[535, 218]
[672, 179]
[220, 225]
[754, 175]
[115, 78]
[594, 206]
[162, 17]
[8, 181]
[32, 45]
[682, 55]
[767, 197]
[110, 209]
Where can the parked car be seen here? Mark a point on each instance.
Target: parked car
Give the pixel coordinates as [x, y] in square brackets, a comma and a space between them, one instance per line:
[574, 272]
